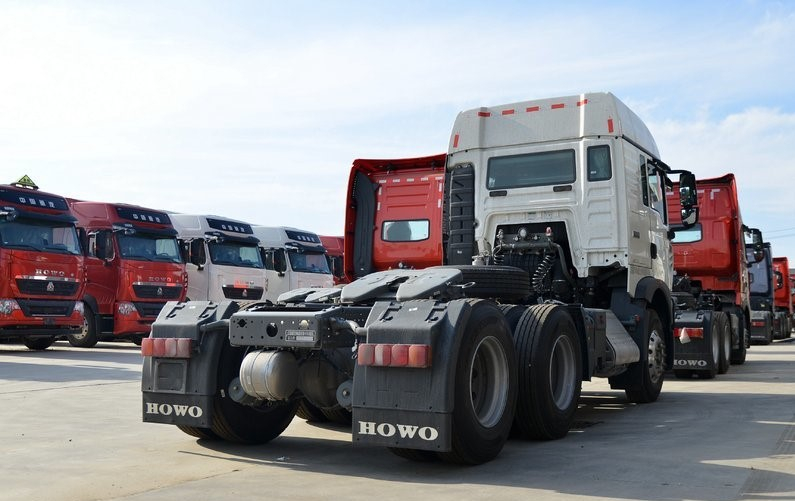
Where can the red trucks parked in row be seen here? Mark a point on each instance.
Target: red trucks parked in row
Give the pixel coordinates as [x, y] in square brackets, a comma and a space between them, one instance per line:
[559, 266]
[133, 267]
[41, 266]
[711, 289]
[782, 299]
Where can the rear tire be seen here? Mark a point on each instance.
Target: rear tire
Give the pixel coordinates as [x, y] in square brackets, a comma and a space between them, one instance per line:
[738, 355]
[309, 412]
[645, 378]
[550, 372]
[235, 422]
[89, 337]
[725, 343]
[200, 433]
[715, 333]
[484, 387]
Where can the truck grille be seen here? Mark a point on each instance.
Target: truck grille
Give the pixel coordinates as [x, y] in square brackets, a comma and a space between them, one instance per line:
[44, 308]
[231, 292]
[157, 291]
[149, 309]
[47, 287]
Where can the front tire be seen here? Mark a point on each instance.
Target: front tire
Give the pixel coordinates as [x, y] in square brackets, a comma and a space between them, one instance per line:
[88, 338]
[550, 372]
[484, 387]
[38, 343]
[645, 377]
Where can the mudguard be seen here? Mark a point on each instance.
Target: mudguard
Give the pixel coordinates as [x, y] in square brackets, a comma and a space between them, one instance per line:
[410, 407]
[180, 391]
[693, 344]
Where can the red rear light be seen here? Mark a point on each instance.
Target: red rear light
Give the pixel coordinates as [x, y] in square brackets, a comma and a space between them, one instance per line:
[394, 355]
[758, 323]
[167, 347]
[692, 332]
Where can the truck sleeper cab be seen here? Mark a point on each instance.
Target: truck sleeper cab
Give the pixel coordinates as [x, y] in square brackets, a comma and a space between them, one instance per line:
[711, 281]
[558, 269]
[42, 268]
[293, 259]
[223, 258]
[133, 268]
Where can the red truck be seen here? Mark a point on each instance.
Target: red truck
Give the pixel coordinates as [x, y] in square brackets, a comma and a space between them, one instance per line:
[711, 286]
[782, 299]
[41, 267]
[334, 251]
[133, 267]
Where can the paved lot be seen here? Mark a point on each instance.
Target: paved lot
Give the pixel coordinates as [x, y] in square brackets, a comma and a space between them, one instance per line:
[70, 429]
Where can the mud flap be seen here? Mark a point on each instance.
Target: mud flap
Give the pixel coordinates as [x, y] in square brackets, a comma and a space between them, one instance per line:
[693, 341]
[180, 391]
[425, 396]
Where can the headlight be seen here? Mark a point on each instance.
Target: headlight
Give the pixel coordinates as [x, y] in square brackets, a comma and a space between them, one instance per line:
[7, 306]
[126, 308]
[79, 307]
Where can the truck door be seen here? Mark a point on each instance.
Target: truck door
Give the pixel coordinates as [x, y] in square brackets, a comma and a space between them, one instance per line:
[660, 248]
[102, 271]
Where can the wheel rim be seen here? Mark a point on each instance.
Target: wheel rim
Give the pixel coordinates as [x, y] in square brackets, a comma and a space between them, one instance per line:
[656, 356]
[489, 382]
[562, 373]
[83, 333]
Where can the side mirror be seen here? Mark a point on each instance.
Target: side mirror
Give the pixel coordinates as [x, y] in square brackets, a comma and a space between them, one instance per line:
[197, 254]
[688, 198]
[756, 243]
[779, 279]
[280, 261]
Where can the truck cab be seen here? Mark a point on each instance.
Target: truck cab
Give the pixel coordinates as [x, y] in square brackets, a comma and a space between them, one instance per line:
[782, 300]
[223, 258]
[760, 275]
[133, 267]
[293, 258]
[41, 267]
[335, 247]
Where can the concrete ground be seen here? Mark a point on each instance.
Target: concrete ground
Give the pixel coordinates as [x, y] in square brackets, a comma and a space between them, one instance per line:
[71, 429]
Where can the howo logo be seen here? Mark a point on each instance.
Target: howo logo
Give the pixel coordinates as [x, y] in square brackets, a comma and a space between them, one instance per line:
[387, 430]
[156, 409]
[50, 273]
[690, 363]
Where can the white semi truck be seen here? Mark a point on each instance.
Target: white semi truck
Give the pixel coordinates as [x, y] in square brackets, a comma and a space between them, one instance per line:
[222, 256]
[558, 269]
[294, 259]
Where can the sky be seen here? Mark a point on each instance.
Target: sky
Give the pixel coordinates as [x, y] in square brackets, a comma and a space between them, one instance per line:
[255, 110]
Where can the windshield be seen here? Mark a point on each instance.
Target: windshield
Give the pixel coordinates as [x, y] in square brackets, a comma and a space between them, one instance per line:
[42, 236]
[684, 235]
[235, 254]
[149, 247]
[309, 262]
[758, 273]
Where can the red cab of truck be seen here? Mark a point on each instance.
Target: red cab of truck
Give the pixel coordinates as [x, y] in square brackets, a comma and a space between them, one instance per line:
[334, 253]
[41, 266]
[133, 267]
[712, 252]
[398, 223]
[782, 296]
